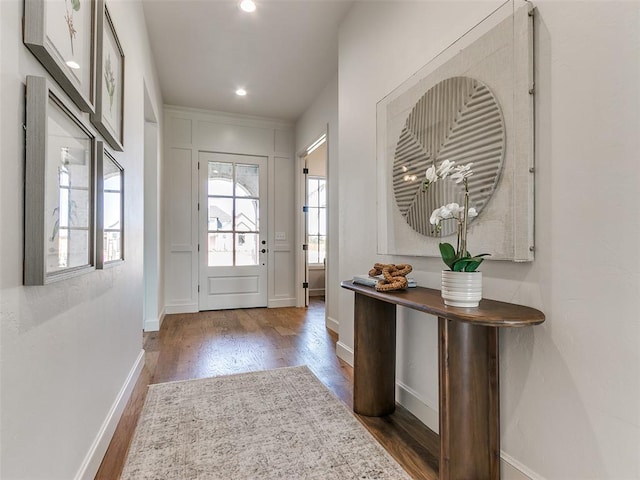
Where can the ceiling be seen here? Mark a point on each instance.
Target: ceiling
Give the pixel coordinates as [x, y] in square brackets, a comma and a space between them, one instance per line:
[283, 54]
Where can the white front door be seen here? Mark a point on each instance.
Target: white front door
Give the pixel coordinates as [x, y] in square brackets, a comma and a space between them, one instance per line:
[233, 231]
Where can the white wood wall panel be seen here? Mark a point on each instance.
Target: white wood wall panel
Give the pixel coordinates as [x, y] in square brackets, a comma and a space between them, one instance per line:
[284, 139]
[179, 207]
[283, 293]
[180, 131]
[190, 131]
[179, 280]
[247, 140]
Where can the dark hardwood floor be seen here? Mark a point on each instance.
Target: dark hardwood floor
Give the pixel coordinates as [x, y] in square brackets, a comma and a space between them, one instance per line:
[223, 342]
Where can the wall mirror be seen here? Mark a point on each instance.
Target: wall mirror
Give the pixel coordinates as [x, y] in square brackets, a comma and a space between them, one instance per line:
[59, 188]
[109, 210]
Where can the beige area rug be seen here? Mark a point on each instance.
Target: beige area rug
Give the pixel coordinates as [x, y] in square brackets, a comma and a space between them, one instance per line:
[277, 424]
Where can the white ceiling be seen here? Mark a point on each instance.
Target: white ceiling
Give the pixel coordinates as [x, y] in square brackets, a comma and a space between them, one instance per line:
[283, 54]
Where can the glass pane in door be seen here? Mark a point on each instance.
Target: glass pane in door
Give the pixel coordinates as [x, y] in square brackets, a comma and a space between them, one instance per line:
[220, 249]
[220, 179]
[247, 180]
[233, 214]
[220, 214]
[247, 245]
[247, 215]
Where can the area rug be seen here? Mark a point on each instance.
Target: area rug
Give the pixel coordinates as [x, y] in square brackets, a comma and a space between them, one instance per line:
[276, 424]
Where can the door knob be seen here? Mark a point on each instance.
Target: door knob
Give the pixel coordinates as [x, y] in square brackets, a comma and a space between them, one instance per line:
[264, 250]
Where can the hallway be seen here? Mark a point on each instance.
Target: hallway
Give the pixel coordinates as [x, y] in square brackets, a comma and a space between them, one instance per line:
[224, 342]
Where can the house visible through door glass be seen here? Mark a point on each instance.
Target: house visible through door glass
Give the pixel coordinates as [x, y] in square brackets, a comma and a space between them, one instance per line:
[233, 214]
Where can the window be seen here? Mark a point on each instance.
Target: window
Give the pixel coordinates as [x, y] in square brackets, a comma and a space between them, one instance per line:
[316, 220]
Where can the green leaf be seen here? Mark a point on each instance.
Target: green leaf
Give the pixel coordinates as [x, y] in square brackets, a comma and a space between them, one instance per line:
[448, 254]
[472, 266]
[75, 4]
[473, 263]
[460, 264]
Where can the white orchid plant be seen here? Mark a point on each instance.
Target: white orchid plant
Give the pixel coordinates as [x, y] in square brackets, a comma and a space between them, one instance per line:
[457, 259]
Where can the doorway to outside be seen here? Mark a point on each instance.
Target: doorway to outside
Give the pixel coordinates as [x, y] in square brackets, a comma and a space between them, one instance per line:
[233, 231]
[315, 218]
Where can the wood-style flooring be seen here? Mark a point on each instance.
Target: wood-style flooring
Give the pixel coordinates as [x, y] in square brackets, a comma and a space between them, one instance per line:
[223, 342]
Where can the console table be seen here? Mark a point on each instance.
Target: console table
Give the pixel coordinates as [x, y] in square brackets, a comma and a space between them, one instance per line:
[468, 370]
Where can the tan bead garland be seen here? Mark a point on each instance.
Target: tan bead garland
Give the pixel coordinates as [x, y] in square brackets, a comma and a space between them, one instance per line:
[395, 276]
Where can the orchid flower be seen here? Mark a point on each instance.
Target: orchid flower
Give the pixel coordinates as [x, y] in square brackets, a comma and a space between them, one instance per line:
[462, 172]
[431, 175]
[445, 168]
[456, 259]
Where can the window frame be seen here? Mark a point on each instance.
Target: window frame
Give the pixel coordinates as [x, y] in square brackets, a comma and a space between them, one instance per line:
[310, 208]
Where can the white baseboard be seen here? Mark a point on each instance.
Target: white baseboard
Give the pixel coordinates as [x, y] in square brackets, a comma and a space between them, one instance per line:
[162, 315]
[93, 459]
[154, 324]
[181, 308]
[344, 352]
[510, 468]
[332, 324]
[316, 292]
[409, 399]
[281, 302]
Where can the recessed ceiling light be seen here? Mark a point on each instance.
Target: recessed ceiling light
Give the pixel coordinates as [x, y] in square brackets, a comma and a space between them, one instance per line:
[72, 64]
[248, 6]
[241, 92]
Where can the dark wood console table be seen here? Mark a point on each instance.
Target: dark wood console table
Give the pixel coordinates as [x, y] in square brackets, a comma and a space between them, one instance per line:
[468, 371]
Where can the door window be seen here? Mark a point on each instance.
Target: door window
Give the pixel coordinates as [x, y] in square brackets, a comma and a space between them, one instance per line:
[233, 213]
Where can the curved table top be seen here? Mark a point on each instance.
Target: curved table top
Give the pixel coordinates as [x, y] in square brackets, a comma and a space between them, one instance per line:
[489, 313]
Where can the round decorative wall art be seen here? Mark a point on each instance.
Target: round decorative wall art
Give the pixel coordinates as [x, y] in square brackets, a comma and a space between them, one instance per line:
[458, 119]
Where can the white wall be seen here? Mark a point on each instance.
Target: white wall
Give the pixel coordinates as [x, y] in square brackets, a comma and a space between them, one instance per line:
[322, 116]
[188, 131]
[570, 394]
[67, 350]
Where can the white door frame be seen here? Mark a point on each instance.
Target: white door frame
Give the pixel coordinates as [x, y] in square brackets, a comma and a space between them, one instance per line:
[152, 231]
[247, 286]
[301, 273]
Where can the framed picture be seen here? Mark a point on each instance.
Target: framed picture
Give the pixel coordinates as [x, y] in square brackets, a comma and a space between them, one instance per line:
[59, 188]
[60, 33]
[109, 210]
[109, 112]
[472, 103]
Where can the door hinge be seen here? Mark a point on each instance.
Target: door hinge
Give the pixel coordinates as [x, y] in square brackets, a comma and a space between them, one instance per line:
[305, 284]
[198, 206]
[198, 165]
[198, 288]
[305, 170]
[198, 247]
[305, 209]
[305, 247]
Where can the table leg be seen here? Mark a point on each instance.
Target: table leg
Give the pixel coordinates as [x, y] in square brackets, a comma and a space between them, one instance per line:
[374, 370]
[469, 401]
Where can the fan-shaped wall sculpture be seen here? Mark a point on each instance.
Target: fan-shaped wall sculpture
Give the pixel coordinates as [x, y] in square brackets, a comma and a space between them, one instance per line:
[458, 119]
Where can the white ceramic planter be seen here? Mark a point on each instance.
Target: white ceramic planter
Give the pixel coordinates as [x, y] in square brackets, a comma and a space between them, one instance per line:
[461, 289]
